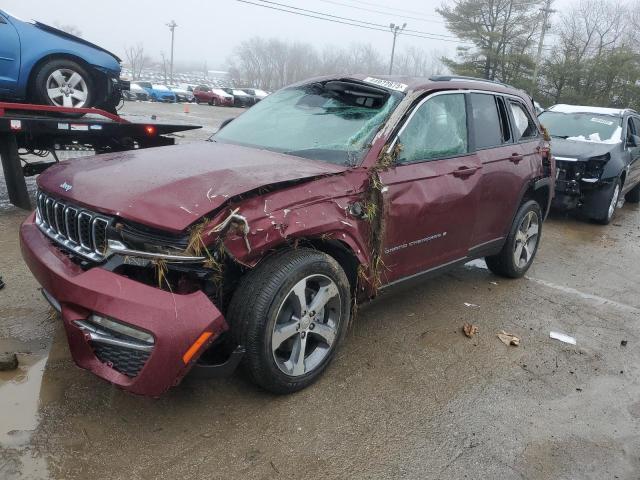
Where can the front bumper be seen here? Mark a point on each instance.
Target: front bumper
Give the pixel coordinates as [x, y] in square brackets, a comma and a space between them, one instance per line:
[577, 189]
[175, 321]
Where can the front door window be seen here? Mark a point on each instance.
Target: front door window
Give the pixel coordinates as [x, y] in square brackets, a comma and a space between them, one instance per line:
[438, 129]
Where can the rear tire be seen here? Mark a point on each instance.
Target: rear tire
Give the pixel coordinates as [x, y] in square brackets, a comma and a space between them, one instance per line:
[64, 83]
[633, 195]
[520, 248]
[290, 313]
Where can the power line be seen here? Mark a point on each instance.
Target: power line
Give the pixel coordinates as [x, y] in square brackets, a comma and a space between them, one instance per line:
[394, 9]
[340, 19]
[358, 23]
[404, 16]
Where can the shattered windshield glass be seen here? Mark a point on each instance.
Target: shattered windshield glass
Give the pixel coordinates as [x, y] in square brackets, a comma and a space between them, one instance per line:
[584, 127]
[333, 121]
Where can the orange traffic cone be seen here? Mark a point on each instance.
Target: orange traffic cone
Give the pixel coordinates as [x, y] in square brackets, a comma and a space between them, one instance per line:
[186, 108]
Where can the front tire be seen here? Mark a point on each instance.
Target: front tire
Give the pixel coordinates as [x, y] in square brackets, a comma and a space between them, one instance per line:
[610, 211]
[64, 83]
[291, 313]
[633, 195]
[520, 248]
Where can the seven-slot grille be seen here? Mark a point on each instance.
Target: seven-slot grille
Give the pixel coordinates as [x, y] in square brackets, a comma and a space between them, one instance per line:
[79, 230]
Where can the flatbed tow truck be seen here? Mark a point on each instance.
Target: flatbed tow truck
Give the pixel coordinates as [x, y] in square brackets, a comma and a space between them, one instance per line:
[40, 130]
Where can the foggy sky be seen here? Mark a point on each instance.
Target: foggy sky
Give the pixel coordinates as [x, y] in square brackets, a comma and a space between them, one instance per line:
[209, 30]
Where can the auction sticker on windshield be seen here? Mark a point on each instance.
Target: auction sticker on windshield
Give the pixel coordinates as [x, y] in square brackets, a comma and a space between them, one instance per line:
[399, 87]
[600, 120]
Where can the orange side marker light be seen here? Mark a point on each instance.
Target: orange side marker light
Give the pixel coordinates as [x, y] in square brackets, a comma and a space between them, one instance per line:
[196, 346]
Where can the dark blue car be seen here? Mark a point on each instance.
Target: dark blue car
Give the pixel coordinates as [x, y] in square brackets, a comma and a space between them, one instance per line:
[41, 64]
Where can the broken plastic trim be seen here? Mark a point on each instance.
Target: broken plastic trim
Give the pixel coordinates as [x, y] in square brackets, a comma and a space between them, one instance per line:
[234, 218]
[114, 246]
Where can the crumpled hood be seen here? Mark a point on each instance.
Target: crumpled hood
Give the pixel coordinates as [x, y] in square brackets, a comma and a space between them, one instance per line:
[580, 150]
[172, 187]
[69, 36]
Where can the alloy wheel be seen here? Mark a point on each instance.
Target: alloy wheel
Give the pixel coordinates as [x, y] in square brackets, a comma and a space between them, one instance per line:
[526, 239]
[307, 325]
[67, 88]
[614, 201]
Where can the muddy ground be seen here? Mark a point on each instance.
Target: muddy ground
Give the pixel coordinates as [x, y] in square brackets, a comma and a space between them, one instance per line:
[408, 396]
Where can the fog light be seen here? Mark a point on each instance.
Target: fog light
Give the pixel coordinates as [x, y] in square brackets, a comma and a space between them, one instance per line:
[121, 328]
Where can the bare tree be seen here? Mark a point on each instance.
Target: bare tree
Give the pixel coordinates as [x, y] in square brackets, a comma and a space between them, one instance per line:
[70, 29]
[596, 59]
[136, 59]
[417, 62]
[273, 63]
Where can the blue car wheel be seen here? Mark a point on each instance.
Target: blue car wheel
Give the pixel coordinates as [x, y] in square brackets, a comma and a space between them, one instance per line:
[64, 83]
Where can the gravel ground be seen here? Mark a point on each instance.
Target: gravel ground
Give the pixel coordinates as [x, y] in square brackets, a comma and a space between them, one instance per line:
[408, 396]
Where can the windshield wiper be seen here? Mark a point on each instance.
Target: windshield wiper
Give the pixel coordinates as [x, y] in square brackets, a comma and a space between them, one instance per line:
[560, 136]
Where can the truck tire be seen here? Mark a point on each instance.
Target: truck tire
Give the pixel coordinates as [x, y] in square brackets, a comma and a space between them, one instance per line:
[64, 83]
[290, 313]
[520, 248]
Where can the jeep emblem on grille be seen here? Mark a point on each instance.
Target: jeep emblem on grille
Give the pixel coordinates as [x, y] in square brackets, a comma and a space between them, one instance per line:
[66, 187]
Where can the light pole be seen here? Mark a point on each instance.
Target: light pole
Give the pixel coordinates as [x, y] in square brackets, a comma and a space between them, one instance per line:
[172, 26]
[395, 30]
[546, 13]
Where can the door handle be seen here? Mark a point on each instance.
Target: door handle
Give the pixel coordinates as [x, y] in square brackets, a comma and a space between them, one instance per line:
[464, 172]
[516, 158]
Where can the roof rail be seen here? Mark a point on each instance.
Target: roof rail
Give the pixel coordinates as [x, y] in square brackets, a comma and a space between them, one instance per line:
[449, 78]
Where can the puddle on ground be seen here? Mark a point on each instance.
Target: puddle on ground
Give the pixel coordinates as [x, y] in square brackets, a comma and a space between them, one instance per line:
[19, 399]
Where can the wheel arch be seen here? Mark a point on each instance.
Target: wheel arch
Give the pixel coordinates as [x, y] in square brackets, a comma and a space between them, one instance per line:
[541, 191]
[341, 251]
[57, 56]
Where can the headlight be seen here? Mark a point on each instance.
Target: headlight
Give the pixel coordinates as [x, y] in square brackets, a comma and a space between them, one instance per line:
[595, 165]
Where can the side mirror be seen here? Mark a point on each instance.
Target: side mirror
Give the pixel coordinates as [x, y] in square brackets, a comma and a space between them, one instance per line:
[225, 123]
[634, 141]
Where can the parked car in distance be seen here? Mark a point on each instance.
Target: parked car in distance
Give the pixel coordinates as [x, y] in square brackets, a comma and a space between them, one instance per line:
[598, 158]
[41, 64]
[157, 93]
[241, 98]
[255, 92]
[182, 95]
[189, 87]
[255, 245]
[136, 93]
[129, 96]
[212, 96]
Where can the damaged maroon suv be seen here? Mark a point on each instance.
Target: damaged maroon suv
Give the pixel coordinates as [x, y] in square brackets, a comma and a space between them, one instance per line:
[255, 247]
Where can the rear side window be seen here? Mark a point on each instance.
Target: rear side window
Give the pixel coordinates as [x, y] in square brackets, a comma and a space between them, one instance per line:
[525, 127]
[487, 125]
[437, 129]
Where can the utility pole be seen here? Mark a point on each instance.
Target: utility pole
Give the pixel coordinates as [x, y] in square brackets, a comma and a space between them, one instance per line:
[546, 13]
[395, 30]
[172, 26]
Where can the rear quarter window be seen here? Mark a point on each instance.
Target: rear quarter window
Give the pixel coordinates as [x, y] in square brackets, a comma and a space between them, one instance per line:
[524, 126]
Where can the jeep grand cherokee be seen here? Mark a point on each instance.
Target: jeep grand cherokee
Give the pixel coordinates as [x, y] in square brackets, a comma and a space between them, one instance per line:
[256, 245]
